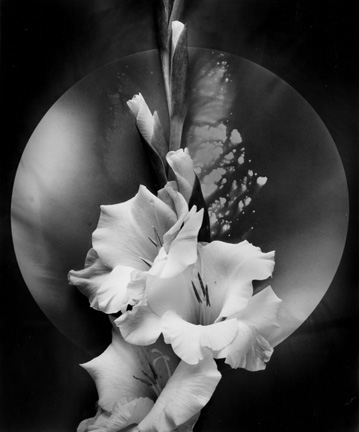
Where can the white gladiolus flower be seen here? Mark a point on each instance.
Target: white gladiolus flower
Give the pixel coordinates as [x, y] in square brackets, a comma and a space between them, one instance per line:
[128, 238]
[147, 389]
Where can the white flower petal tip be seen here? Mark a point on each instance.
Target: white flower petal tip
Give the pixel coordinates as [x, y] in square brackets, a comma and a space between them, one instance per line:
[182, 165]
[177, 29]
[144, 118]
[193, 342]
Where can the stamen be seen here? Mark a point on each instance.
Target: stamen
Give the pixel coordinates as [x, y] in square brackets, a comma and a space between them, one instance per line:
[208, 303]
[157, 236]
[143, 381]
[151, 383]
[146, 375]
[154, 243]
[148, 262]
[196, 293]
[202, 284]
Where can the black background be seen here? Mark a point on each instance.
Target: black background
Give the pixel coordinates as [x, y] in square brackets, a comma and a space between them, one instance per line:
[311, 382]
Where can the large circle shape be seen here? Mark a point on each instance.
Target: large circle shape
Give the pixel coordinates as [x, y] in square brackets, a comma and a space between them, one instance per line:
[86, 152]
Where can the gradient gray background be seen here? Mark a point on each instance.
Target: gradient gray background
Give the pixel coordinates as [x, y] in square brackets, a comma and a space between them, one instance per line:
[311, 382]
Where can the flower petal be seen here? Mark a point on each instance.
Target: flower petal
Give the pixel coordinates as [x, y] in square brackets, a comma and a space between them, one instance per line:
[123, 415]
[123, 232]
[91, 277]
[106, 290]
[136, 288]
[182, 251]
[164, 194]
[139, 326]
[112, 294]
[113, 372]
[251, 348]
[172, 294]
[191, 342]
[182, 212]
[229, 270]
[186, 393]
[182, 165]
[262, 311]
[177, 29]
[143, 116]
[100, 417]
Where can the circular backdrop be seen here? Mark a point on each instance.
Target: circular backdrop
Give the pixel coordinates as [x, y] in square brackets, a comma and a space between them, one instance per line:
[268, 166]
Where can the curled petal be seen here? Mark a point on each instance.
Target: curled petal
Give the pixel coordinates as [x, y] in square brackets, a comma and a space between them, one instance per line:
[186, 393]
[251, 349]
[191, 342]
[109, 294]
[139, 326]
[136, 288]
[105, 289]
[91, 277]
[124, 230]
[229, 270]
[112, 294]
[262, 311]
[182, 165]
[143, 116]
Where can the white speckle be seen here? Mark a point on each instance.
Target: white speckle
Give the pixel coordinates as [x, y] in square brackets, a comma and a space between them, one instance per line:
[240, 160]
[235, 137]
[225, 227]
[261, 181]
[229, 156]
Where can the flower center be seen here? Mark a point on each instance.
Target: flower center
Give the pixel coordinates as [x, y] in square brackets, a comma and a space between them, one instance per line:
[202, 295]
[150, 377]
